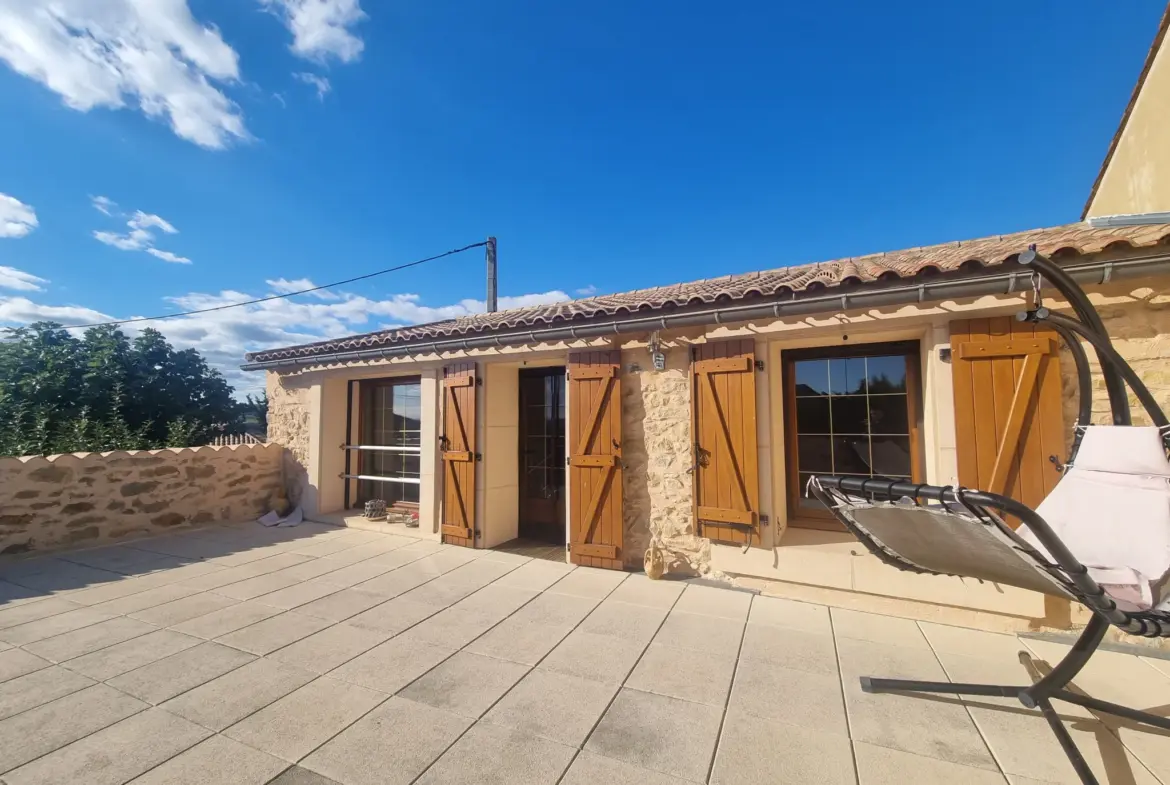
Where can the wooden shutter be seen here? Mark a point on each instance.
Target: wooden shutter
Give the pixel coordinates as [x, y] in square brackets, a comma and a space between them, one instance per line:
[595, 459]
[723, 400]
[1008, 422]
[459, 454]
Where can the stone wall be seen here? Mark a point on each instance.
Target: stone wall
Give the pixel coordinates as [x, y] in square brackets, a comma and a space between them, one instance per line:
[656, 438]
[49, 502]
[288, 425]
[1138, 322]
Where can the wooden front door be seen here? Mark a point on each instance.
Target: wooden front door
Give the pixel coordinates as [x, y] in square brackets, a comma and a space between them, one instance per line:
[727, 488]
[1009, 427]
[542, 454]
[459, 454]
[595, 461]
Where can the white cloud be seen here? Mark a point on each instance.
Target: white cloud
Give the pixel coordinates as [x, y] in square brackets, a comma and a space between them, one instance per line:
[224, 336]
[149, 54]
[321, 28]
[587, 291]
[19, 280]
[313, 80]
[141, 235]
[285, 286]
[16, 218]
[104, 204]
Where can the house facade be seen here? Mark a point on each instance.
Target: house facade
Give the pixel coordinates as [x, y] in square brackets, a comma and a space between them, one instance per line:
[694, 414]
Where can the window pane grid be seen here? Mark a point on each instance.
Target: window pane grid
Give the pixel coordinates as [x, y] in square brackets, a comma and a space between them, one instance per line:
[391, 417]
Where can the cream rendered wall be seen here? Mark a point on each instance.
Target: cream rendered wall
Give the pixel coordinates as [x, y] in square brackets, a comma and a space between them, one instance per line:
[499, 492]
[430, 463]
[1137, 177]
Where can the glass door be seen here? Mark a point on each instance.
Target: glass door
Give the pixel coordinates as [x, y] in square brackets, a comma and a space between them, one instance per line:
[542, 454]
[389, 453]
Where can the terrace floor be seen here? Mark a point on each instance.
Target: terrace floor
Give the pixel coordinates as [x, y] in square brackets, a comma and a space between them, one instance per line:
[319, 655]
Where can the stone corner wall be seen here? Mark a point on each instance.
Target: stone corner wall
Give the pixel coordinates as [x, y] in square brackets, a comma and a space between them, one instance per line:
[288, 426]
[58, 500]
[657, 487]
[1137, 318]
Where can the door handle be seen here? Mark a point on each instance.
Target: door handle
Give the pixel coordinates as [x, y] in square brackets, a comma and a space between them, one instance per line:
[1060, 467]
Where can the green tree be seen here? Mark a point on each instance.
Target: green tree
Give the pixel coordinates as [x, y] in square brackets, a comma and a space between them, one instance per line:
[59, 393]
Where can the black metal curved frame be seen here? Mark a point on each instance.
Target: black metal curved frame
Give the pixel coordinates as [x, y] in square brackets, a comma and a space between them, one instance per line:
[1053, 686]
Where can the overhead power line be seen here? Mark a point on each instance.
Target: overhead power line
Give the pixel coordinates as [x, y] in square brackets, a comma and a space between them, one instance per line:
[283, 296]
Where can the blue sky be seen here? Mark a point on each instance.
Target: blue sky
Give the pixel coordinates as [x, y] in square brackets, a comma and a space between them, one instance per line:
[611, 145]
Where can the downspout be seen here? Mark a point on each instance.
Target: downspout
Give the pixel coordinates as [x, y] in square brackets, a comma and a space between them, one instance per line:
[1014, 280]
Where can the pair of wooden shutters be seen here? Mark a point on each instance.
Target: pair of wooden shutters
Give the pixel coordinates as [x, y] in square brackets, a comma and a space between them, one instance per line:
[458, 445]
[726, 459]
[1008, 421]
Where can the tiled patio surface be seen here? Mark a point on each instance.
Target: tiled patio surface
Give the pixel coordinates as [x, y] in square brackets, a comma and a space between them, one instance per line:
[318, 655]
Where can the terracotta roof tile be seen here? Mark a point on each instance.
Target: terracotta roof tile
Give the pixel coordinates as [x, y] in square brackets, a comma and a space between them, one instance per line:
[1060, 241]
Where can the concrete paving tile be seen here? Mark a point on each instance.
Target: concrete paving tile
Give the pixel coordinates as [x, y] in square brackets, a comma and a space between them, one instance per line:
[515, 559]
[889, 630]
[709, 601]
[33, 733]
[342, 605]
[162, 680]
[96, 636]
[553, 706]
[656, 732]
[323, 651]
[181, 610]
[295, 594]
[360, 553]
[946, 639]
[297, 775]
[306, 718]
[216, 761]
[492, 755]
[11, 616]
[251, 588]
[588, 583]
[590, 769]
[391, 745]
[122, 559]
[307, 570]
[706, 634]
[754, 751]
[790, 613]
[50, 626]
[115, 754]
[390, 584]
[479, 572]
[17, 662]
[220, 577]
[56, 576]
[466, 684]
[557, 609]
[225, 620]
[451, 628]
[935, 728]
[12, 595]
[390, 666]
[790, 648]
[633, 623]
[809, 700]
[349, 576]
[394, 616]
[519, 640]
[38, 688]
[640, 590]
[498, 601]
[325, 547]
[884, 766]
[159, 595]
[536, 575]
[226, 700]
[689, 675]
[265, 637]
[596, 657]
[116, 590]
[126, 656]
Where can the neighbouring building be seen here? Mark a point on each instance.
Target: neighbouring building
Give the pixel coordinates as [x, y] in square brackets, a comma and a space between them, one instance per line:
[695, 413]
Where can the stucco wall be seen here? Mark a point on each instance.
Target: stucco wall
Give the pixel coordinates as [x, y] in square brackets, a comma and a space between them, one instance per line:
[656, 439]
[289, 421]
[47, 502]
[1137, 179]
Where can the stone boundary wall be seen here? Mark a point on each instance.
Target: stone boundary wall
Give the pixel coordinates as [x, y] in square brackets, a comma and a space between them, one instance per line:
[59, 500]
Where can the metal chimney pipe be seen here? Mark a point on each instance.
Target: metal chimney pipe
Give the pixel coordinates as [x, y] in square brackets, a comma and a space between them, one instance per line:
[491, 275]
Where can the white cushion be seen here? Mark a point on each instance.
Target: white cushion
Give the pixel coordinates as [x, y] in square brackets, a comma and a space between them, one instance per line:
[1125, 449]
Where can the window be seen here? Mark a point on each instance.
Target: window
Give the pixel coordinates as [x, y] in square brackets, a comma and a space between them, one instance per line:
[852, 411]
[391, 421]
